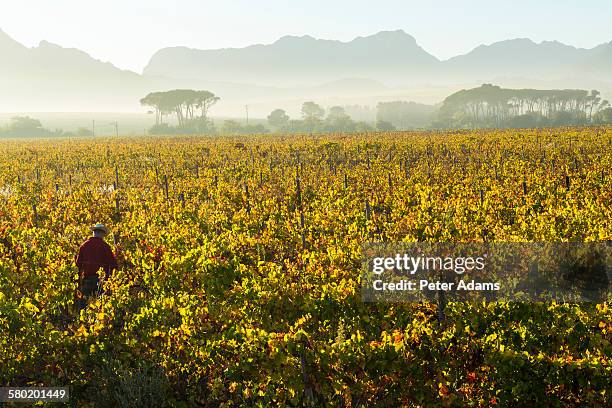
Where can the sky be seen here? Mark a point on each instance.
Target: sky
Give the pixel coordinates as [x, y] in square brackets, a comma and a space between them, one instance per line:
[127, 33]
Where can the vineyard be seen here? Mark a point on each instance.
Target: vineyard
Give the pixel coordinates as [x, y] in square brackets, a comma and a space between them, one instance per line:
[240, 258]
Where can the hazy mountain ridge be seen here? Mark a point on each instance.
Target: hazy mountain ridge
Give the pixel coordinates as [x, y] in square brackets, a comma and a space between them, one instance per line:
[389, 65]
[521, 57]
[7, 43]
[52, 58]
[391, 57]
[295, 61]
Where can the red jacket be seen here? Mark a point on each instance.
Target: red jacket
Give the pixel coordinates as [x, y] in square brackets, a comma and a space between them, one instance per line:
[93, 255]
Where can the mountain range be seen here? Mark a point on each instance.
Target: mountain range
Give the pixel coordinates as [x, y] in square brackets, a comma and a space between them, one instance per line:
[392, 57]
[384, 66]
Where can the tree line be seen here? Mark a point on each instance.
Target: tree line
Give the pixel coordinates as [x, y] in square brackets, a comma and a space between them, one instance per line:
[315, 119]
[493, 106]
[25, 126]
[485, 106]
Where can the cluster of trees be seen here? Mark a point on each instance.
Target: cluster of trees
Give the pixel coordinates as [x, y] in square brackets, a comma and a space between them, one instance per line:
[492, 106]
[316, 120]
[190, 107]
[25, 126]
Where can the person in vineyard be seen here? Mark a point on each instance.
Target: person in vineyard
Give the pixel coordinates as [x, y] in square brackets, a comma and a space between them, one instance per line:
[94, 254]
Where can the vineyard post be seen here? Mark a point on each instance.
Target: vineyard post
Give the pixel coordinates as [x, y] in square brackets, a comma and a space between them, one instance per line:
[309, 397]
[116, 177]
[302, 227]
[166, 185]
[117, 207]
[35, 213]
[298, 192]
[298, 195]
[567, 182]
[246, 193]
[345, 181]
[539, 142]
[441, 304]
[182, 199]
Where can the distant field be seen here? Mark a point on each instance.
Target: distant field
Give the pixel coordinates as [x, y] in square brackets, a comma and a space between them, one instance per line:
[130, 124]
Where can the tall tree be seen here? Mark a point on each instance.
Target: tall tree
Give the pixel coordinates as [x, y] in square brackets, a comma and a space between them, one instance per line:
[278, 118]
[311, 110]
[338, 121]
[594, 101]
[154, 100]
[204, 101]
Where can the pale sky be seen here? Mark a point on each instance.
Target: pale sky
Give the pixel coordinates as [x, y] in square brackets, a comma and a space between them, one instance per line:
[128, 32]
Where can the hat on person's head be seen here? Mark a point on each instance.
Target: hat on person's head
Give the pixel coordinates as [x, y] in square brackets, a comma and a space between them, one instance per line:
[100, 227]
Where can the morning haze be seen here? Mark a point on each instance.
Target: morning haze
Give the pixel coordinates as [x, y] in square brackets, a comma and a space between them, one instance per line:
[356, 73]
